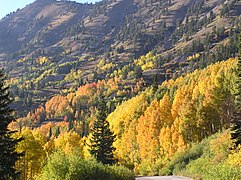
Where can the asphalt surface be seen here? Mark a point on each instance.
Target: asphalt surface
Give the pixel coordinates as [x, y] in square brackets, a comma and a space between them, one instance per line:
[163, 178]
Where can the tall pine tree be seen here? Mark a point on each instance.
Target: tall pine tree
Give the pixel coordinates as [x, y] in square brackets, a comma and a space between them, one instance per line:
[8, 156]
[102, 138]
[236, 121]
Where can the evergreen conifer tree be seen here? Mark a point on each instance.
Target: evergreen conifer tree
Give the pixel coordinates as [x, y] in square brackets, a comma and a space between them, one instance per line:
[102, 140]
[8, 156]
[236, 120]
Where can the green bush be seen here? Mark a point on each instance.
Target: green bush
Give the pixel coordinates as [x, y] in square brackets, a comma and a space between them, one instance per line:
[207, 160]
[166, 171]
[204, 168]
[197, 167]
[182, 159]
[120, 173]
[222, 172]
[72, 167]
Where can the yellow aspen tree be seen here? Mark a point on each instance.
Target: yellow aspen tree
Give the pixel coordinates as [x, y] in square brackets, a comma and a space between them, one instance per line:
[121, 120]
[69, 142]
[188, 120]
[34, 155]
[148, 130]
[165, 138]
[177, 102]
[178, 142]
[165, 111]
[127, 152]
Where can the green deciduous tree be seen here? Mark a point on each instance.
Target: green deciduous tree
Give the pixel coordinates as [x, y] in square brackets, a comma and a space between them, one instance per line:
[8, 156]
[102, 138]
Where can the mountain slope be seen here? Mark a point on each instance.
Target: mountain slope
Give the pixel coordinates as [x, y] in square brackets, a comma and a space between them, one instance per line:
[39, 24]
[61, 44]
[139, 26]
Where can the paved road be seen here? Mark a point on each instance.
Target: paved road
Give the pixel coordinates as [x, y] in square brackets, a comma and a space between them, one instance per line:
[163, 178]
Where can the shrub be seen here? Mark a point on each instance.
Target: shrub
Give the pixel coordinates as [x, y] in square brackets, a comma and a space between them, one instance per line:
[220, 147]
[120, 173]
[208, 160]
[198, 152]
[72, 167]
[166, 171]
[198, 167]
[222, 172]
[182, 159]
[234, 158]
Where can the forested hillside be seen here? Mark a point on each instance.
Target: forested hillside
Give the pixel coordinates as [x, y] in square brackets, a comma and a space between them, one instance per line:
[150, 127]
[51, 45]
[157, 77]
